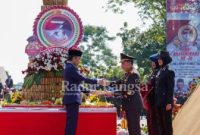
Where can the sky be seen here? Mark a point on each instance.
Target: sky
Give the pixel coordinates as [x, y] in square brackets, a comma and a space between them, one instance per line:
[17, 18]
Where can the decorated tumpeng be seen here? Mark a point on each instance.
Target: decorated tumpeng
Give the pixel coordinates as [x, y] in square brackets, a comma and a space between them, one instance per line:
[56, 29]
[55, 2]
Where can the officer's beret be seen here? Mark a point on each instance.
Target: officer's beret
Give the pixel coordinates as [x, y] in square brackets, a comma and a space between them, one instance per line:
[154, 57]
[75, 52]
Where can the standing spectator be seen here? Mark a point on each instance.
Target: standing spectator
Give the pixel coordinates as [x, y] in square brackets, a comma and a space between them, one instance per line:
[150, 96]
[9, 82]
[164, 89]
[1, 89]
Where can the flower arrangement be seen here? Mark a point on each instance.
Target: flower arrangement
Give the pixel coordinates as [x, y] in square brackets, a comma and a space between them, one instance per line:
[58, 101]
[53, 60]
[16, 97]
[95, 100]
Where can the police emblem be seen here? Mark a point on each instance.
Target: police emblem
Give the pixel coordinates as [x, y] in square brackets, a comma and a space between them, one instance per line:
[187, 34]
[58, 26]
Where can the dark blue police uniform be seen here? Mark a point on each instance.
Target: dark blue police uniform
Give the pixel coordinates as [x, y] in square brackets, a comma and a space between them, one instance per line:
[72, 98]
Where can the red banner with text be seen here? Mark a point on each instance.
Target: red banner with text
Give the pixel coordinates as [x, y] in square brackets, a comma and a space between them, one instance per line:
[183, 40]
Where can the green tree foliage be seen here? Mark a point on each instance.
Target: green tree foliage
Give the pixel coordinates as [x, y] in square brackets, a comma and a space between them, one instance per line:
[142, 44]
[148, 9]
[97, 55]
[96, 52]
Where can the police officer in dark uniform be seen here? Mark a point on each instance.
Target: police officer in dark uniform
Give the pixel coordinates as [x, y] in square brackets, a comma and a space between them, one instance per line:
[129, 88]
[164, 94]
[73, 88]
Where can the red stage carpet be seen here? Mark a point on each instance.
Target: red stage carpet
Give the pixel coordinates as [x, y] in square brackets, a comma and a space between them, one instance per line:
[37, 121]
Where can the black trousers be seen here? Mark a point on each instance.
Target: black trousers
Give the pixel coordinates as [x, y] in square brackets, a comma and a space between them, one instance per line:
[72, 119]
[133, 111]
[151, 121]
[164, 121]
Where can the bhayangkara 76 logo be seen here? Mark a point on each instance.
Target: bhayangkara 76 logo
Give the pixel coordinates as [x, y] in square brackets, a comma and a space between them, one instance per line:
[58, 27]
